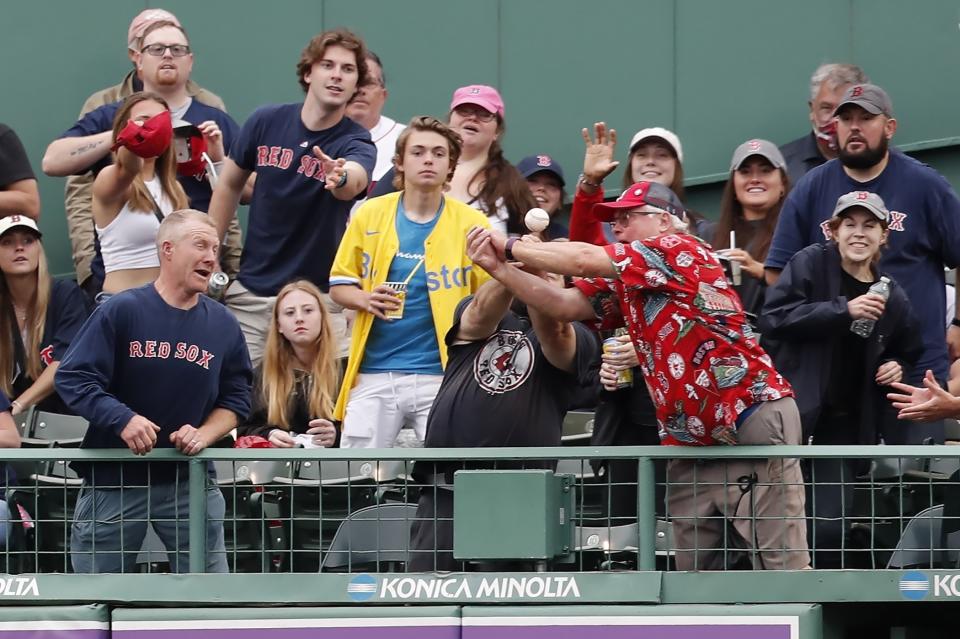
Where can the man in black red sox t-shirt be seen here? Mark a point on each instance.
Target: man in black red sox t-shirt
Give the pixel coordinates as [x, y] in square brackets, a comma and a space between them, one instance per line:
[509, 381]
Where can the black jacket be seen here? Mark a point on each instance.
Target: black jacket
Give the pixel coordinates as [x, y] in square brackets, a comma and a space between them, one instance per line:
[806, 315]
[298, 410]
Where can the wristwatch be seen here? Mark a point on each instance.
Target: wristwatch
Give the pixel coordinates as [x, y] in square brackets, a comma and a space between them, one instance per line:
[955, 322]
[508, 249]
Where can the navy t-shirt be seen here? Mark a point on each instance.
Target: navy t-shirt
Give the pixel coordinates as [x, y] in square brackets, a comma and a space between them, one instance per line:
[137, 355]
[924, 229]
[66, 312]
[197, 189]
[295, 224]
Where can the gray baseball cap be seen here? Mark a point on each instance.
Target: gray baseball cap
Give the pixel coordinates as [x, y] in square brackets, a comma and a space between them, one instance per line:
[869, 97]
[763, 148]
[865, 200]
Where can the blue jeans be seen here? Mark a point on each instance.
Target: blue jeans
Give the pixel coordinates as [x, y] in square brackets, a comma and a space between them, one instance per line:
[109, 525]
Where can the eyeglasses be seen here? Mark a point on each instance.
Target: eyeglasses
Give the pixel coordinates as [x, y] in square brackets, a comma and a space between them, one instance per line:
[481, 114]
[624, 218]
[157, 50]
[372, 82]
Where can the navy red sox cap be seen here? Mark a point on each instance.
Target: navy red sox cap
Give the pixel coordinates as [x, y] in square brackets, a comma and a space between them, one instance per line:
[533, 164]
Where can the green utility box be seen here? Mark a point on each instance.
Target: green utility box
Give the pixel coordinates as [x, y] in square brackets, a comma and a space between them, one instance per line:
[512, 514]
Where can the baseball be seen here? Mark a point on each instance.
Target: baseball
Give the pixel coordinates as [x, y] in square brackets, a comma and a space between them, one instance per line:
[537, 220]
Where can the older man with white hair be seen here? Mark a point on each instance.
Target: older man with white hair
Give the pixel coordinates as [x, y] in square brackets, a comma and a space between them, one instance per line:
[711, 382]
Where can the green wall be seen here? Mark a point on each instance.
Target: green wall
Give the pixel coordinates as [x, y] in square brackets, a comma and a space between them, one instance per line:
[716, 71]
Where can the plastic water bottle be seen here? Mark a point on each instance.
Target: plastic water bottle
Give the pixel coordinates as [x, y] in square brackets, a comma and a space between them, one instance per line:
[863, 327]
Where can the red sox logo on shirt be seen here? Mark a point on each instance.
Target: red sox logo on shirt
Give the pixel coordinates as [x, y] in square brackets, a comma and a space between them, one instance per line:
[153, 349]
[504, 363]
[46, 355]
[282, 158]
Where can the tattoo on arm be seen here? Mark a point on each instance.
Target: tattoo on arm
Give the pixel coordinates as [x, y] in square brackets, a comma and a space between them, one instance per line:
[83, 148]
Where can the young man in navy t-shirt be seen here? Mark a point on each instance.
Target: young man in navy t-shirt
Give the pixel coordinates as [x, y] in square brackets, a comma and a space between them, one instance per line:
[311, 162]
[162, 365]
[924, 224]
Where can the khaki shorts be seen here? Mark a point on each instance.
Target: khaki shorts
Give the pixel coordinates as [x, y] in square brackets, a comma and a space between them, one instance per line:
[762, 500]
[253, 313]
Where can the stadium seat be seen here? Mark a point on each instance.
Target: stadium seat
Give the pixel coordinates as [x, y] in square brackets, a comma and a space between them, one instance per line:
[577, 423]
[313, 504]
[372, 539]
[923, 543]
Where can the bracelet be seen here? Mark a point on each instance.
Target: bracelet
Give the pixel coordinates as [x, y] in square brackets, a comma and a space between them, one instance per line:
[583, 180]
[955, 322]
[508, 249]
[343, 180]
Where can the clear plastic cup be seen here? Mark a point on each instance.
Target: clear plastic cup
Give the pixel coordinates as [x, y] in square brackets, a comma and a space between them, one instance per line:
[401, 292]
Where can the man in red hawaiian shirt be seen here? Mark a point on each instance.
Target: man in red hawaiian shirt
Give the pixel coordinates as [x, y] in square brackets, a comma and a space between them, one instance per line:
[711, 381]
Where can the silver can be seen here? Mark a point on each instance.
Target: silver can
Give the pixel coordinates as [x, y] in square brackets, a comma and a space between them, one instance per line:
[217, 284]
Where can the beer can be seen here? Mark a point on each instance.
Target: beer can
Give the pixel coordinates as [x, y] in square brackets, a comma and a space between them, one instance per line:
[217, 284]
[624, 377]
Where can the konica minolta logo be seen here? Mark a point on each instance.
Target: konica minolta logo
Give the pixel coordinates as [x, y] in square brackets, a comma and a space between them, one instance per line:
[914, 585]
[362, 588]
[458, 588]
[917, 585]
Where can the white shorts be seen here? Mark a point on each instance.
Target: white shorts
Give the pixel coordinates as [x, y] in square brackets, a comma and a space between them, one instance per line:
[381, 404]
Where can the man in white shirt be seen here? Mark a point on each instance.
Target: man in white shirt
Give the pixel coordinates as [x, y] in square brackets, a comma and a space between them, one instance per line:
[366, 109]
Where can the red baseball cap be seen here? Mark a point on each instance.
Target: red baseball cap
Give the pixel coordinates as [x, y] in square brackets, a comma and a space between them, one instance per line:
[641, 194]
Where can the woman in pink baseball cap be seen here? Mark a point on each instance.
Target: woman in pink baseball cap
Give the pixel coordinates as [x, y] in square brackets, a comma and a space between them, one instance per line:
[484, 178]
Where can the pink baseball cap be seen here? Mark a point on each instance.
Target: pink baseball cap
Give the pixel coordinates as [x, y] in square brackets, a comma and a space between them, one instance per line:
[143, 20]
[480, 94]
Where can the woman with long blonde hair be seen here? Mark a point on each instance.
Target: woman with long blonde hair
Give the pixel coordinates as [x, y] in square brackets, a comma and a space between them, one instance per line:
[133, 195]
[39, 317]
[296, 385]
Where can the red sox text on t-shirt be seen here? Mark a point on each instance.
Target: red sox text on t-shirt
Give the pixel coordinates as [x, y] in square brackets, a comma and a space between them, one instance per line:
[153, 349]
[282, 158]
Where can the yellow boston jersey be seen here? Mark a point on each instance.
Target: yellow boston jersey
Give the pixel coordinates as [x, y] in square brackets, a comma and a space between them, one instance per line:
[369, 246]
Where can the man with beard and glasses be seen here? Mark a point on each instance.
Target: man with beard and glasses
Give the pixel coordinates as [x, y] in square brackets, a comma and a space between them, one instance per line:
[924, 225]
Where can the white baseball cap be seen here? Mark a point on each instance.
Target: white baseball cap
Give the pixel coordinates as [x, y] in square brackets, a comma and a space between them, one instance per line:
[658, 132]
[13, 221]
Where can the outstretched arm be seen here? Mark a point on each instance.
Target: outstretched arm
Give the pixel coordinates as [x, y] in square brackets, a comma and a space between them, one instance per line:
[563, 304]
[925, 404]
[563, 258]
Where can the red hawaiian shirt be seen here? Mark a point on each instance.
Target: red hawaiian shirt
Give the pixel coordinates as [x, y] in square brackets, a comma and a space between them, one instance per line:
[699, 357]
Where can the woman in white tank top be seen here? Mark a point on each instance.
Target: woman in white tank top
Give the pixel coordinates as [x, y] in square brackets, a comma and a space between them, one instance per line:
[128, 194]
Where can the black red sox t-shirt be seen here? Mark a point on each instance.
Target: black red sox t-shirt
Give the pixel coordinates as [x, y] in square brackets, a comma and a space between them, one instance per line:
[502, 391]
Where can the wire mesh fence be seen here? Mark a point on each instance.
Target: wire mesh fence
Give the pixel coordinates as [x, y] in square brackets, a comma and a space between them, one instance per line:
[307, 511]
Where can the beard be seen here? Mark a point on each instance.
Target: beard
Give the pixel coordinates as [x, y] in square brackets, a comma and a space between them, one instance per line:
[865, 159]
